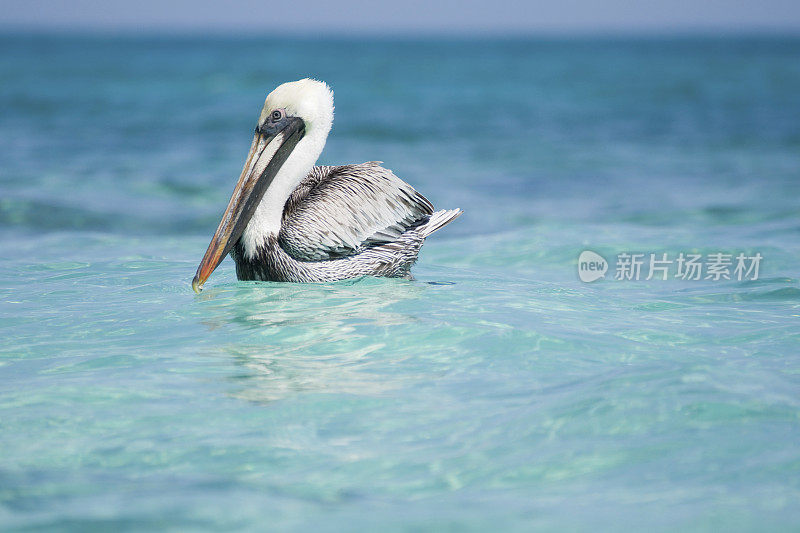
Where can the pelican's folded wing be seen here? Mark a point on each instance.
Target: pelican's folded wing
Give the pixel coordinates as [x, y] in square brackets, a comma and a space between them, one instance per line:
[337, 211]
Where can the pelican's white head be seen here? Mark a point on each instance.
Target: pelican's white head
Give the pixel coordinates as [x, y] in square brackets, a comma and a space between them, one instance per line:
[291, 133]
[310, 100]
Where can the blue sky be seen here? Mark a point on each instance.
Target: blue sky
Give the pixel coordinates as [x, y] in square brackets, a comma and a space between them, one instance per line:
[409, 16]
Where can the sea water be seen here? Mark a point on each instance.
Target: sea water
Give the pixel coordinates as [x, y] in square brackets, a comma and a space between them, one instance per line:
[495, 391]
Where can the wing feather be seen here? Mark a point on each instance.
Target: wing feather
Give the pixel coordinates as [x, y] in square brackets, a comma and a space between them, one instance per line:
[339, 210]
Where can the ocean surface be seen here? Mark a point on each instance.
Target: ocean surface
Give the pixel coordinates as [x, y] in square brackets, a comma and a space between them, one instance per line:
[497, 391]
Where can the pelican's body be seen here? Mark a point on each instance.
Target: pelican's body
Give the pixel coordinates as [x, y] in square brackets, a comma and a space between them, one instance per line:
[289, 220]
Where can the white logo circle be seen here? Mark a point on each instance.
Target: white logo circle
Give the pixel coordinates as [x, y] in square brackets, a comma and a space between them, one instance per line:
[591, 266]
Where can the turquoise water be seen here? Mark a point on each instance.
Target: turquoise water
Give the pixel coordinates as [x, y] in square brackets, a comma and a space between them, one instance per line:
[497, 391]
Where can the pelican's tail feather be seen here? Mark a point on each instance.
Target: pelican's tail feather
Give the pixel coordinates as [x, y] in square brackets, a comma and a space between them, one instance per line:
[438, 220]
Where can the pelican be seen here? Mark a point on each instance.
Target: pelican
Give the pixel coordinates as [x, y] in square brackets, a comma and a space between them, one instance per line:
[289, 220]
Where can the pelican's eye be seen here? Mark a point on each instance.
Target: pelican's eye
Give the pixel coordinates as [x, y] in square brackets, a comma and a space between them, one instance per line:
[276, 115]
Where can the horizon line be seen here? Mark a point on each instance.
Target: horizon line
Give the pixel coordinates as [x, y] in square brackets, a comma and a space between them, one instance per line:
[395, 33]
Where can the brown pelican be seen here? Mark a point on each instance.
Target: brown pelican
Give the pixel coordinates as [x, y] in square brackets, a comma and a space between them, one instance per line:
[289, 220]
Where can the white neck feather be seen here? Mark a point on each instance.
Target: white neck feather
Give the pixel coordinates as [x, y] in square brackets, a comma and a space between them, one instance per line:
[267, 218]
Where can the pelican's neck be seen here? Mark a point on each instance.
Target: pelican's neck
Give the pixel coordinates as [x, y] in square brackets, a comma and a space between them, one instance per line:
[267, 218]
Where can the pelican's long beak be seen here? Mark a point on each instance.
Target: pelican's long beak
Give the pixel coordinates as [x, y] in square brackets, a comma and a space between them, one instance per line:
[269, 151]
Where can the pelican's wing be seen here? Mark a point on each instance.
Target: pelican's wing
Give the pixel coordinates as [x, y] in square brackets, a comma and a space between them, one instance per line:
[337, 211]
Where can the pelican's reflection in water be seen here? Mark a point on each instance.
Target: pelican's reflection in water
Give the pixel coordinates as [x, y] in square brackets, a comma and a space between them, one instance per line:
[327, 338]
